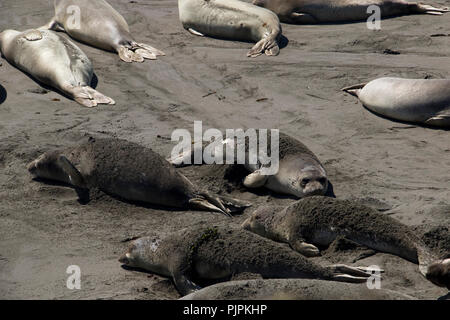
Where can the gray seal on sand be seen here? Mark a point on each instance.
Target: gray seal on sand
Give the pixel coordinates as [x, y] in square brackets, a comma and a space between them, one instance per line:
[53, 60]
[329, 11]
[234, 20]
[424, 101]
[292, 289]
[129, 171]
[300, 172]
[318, 221]
[215, 253]
[98, 24]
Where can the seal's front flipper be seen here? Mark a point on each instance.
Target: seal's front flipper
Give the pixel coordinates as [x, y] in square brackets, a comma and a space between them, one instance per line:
[203, 204]
[441, 120]
[354, 90]
[255, 180]
[195, 32]
[183, 284]
[268, 45]
[427, 9]
[306, 249]
[354, 271]
[88, 96]
[302, 18]
[348, 278]
[75, 177]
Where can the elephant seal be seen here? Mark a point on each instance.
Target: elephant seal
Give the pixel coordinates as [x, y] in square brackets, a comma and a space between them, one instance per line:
[300, 172]
[292, 289]
[127, 170]
[53, 60]
[329, 11]
[425, 101]
[218, 252]
[318, 221]
[98, 24]
[235, 20]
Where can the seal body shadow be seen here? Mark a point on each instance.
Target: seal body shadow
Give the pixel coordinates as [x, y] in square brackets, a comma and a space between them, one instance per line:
[55, 61]
[233, 20]
[98, 24]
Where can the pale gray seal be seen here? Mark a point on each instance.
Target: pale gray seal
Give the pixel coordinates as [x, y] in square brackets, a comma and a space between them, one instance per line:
[292, 289]
[300, 172]
[53, 60]
[318, 221]
[327, 11]
[425, 101]
[235, 20]
[98, 24]
[130, 171]
[218, 252]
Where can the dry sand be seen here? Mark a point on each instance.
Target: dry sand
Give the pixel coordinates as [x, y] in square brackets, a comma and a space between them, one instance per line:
[43, 229]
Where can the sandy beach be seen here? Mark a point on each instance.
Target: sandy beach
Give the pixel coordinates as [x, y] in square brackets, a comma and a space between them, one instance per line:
[400, 168]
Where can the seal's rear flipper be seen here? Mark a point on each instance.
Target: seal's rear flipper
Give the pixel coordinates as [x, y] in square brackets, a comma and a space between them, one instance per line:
[138, 52]
[268, 45]
[183, 284]
[88, 96]
[441, 120]
[354, 90]
[75, 177]
[216, 203]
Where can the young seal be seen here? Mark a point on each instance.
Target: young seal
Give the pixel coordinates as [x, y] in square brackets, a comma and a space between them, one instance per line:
[53, 60]
[218, 252]
[425, 101]
[292, 289]
[127, 170]
[96, 23]
[328, 11]
[317, 221]
[235, 20]
[300, 172]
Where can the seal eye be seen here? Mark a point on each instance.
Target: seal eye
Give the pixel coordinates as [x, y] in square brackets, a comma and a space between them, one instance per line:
[305, 181]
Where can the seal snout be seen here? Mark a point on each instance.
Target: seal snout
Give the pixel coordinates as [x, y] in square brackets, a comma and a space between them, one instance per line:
[32, 167]
[439, 273]
[125, 259]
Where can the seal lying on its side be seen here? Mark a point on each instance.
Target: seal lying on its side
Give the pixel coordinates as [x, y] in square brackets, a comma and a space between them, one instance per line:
[292, 289]
[412, 100]
[235, 20]
[323, 11]
[300, 172]
[320, 220]
[54, 61]
[218, 252]
[96, 23]
[130, 171]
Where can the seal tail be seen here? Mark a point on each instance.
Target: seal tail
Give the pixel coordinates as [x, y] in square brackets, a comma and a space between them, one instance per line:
[88, 96]
[216, 203]
[138, 52]
[354, 90]
[267, 45]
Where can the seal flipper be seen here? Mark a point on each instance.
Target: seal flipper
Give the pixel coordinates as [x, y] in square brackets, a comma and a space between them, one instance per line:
[216, 203]
[302, 18]
[88, 96]
[255, 180]
[427, 9]
[304, 248]
[138, 52]
[440, 120]
[354, 90]
[183, 284]
[267, 45]
[195, 32]
[53, 25]
[75, 177]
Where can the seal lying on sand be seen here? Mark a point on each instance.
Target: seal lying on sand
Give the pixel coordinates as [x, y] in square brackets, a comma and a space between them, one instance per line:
[218, 252]
[323, 11]
[54, 61]
[318, 220]
[300, 172]
[292, 289]
[96, 23]
[235, 20]
[412, 100]
[130, 171]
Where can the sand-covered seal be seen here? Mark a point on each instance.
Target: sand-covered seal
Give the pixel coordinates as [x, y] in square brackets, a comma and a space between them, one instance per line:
[424, 101]
[292, 289]
[300, 173]
[53, 60]
[318, 221]
[130, 171]
[329, 11]
[234, 20]
[214, 253]
[98, 24]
